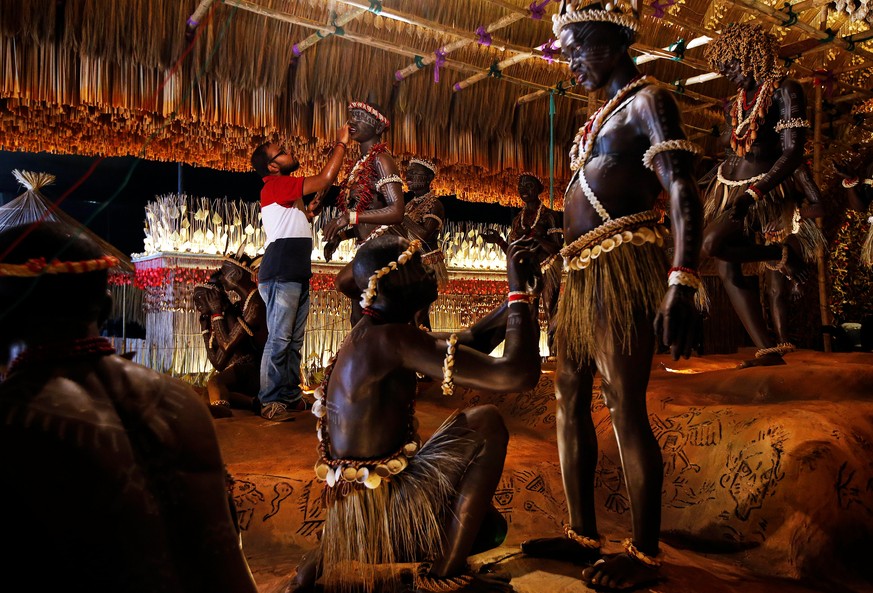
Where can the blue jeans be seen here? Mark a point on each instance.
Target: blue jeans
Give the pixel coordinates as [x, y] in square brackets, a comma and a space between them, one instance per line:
[287, 311]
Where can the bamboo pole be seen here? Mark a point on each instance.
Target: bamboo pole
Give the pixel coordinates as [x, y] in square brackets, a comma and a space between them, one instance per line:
[824, 312]
[370, 41]
[500, 66]
[436, 27]
[809, 4]
[299, 48]
[782, 18]
[427, 59]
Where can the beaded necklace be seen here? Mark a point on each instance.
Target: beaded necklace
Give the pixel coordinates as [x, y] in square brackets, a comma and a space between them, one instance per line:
[745, 129]
[66, 351]
[363, 169]
[583, 143]
[529, 227]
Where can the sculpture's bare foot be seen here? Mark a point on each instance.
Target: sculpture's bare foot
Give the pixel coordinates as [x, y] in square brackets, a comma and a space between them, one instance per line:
[622, 572]
[307, 574]
[560, 548]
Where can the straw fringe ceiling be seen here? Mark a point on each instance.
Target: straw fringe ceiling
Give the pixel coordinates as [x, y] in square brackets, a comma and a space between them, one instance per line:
[103, 77]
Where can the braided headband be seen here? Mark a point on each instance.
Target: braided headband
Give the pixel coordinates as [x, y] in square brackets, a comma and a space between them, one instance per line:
[239, 264]
[529, 174]
[424, 163]
[371, 110]
[370, 293]
[38, 266]
[597, 16]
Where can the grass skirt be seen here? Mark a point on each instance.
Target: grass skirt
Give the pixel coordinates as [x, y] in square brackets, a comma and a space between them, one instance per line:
[610, 292]
[770, 220]
[400, 521]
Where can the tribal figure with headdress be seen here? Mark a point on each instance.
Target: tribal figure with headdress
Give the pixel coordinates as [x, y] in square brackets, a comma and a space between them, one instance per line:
[621, 294]
[423, 220]
[389, 498]
[122, 465]
[754, 205]
[233, 319]
[543, 225]
[370, 201]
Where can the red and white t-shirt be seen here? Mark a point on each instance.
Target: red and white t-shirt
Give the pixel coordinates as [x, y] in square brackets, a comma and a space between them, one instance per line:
[289, 234]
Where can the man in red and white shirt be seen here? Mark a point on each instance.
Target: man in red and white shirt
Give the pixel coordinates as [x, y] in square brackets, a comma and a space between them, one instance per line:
[283, 277]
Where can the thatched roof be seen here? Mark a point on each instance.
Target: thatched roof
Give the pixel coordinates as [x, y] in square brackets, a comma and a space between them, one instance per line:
[119, 78]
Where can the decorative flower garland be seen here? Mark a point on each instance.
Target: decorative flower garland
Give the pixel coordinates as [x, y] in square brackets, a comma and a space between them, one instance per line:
[38, 266]
[363, 169]
[745, 128]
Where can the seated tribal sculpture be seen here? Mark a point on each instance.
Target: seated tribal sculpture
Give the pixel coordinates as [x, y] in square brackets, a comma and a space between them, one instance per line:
[234, 328]
[423, 220]
[389, 497]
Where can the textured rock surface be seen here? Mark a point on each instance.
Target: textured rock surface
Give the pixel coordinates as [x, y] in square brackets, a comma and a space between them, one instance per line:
[768, 476]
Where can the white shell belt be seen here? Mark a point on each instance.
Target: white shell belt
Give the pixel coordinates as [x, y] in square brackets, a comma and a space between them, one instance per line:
[636, 229]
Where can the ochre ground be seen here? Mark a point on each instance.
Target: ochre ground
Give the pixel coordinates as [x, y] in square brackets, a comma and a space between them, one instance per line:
[768, 477]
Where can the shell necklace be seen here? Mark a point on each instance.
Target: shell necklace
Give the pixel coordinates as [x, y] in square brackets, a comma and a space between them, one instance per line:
[530, 227]
[583, 143]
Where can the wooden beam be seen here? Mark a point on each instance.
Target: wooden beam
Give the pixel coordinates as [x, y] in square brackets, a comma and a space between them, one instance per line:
[809, 5]
[427, 58]
[436, 27]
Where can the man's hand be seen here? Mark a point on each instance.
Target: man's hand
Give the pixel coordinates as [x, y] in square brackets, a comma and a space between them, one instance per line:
[677, 321]
[213, 301]
[845, 170]
[741, 206]
[491, 236]
[333, 228]
[522, 267]
[329, 249]
[343, 135]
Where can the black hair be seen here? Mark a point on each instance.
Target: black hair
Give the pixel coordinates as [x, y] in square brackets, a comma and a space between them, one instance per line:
[260, 160]
[24, 301]
[378, 253]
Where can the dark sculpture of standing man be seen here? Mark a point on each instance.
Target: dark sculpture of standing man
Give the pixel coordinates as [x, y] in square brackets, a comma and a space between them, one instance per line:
[542, 224]
[753, 208]
[619, 283]
[371, 197]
